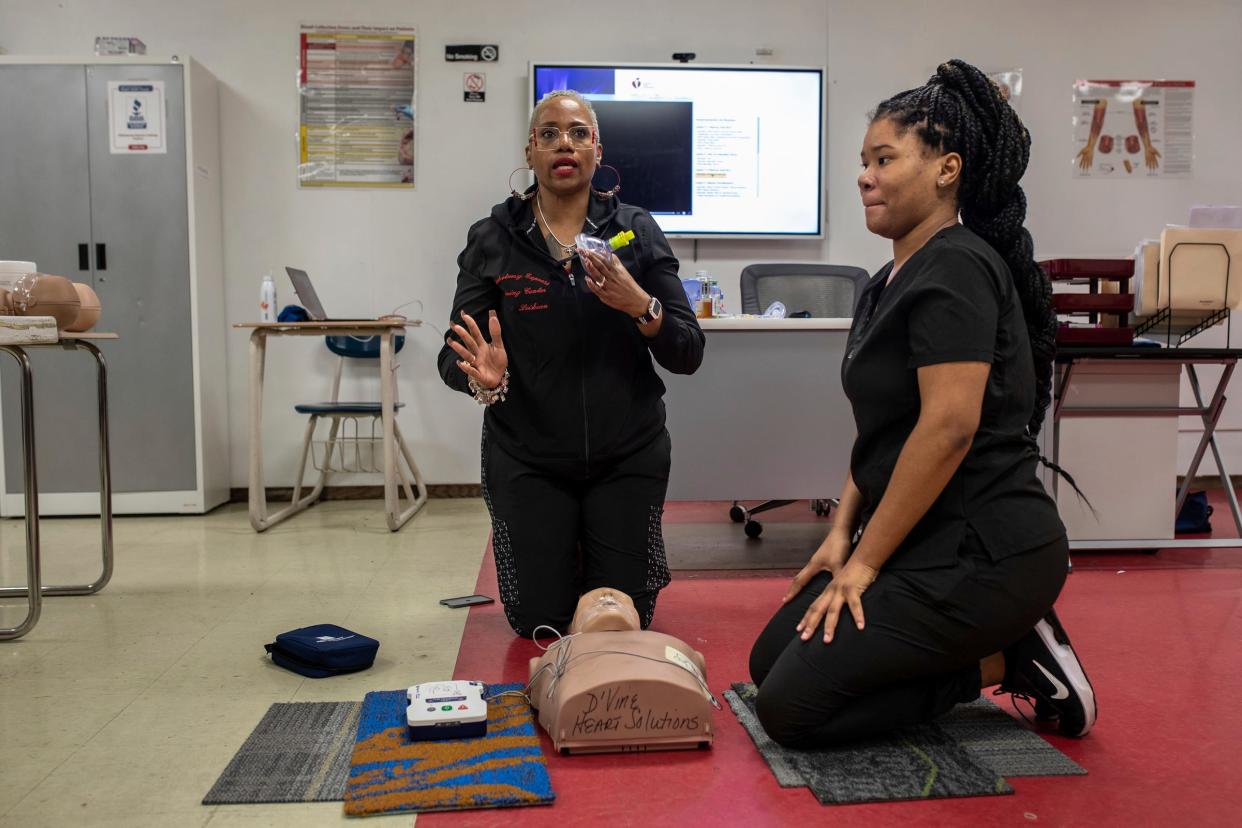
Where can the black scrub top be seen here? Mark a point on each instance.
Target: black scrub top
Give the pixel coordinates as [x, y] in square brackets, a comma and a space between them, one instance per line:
[953, 301]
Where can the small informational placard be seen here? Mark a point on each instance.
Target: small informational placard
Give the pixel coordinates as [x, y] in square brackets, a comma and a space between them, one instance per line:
[474, 87]
[1133, 129]
[356, 104]
[119, 46]
[136, 117]
[481, 52]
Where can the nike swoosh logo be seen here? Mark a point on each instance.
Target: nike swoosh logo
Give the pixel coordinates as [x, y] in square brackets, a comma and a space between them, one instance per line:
[1062, 692]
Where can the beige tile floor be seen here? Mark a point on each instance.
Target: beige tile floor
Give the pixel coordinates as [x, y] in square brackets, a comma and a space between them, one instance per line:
[122, 708]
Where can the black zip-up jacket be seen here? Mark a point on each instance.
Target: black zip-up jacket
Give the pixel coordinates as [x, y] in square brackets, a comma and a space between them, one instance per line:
[582, 390]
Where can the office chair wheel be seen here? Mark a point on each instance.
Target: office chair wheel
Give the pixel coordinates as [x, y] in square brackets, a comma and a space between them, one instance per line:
[753, 528]
[821, 507]
[737, 514]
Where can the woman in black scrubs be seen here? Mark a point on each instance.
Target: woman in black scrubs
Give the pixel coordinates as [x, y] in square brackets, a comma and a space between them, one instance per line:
[939, 575]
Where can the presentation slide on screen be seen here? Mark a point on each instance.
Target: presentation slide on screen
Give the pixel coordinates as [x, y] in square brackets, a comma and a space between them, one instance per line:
[709, 150]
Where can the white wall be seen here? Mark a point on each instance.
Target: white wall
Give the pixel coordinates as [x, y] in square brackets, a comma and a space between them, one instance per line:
[878, 48]
[371, 251]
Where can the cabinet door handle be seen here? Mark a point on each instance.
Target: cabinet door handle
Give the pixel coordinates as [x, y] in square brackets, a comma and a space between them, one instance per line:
[84, 257]
[101, 256]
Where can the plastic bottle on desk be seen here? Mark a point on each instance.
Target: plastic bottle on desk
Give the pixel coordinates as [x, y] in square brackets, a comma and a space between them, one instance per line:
[704, 310]
[717, 299]
[267, 299]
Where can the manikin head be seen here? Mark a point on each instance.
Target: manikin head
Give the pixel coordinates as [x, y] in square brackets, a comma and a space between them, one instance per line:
[611, 618]
[605, 610]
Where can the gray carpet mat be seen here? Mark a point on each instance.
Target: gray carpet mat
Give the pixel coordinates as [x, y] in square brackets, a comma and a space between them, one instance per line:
[998, 741]
[966, 753]
[299, 752]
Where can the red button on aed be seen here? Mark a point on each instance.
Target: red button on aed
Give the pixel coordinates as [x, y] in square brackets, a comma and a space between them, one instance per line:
[461, 707]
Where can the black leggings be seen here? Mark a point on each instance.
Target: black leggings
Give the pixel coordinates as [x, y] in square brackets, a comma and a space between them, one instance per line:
[926, 631]
[555, 538]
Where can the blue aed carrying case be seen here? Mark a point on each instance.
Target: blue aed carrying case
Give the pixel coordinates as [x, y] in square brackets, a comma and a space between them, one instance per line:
[323, 650]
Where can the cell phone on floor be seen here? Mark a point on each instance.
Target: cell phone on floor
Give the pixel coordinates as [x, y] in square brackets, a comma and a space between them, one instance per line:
[466, 601]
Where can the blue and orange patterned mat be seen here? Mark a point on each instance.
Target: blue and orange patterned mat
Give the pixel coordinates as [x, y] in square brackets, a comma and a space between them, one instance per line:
[389, 772]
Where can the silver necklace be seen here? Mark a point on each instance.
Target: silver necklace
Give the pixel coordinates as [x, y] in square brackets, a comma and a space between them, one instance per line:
[568, 248]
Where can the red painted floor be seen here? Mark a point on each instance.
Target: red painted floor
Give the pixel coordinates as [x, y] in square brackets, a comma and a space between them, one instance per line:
[1159, 636]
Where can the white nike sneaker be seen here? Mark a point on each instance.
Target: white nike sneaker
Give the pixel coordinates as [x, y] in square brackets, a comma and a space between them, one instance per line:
[1042, 667]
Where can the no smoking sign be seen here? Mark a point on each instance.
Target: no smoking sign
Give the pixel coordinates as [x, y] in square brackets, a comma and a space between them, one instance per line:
[474, 85]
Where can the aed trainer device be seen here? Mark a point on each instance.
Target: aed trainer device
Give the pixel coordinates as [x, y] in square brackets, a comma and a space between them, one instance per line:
[446, 710]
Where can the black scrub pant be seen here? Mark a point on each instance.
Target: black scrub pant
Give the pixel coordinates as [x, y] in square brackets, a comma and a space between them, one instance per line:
[555, 537]
[918, 655]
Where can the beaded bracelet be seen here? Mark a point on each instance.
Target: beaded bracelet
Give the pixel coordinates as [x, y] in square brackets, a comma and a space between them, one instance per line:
[489, 396]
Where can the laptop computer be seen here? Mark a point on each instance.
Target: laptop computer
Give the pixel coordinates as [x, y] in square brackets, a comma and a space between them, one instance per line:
[310, 299]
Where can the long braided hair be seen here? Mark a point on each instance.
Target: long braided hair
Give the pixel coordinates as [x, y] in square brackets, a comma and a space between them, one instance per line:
[961, 110]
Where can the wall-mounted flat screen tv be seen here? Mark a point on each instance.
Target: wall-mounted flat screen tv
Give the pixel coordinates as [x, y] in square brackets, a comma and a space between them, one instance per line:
[709, 151]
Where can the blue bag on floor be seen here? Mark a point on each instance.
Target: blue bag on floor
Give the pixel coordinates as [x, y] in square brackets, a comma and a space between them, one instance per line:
[1194, 514]
[323, 650]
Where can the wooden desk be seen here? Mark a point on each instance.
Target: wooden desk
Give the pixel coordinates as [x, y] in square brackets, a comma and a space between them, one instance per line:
[386, 330]
[34, 591]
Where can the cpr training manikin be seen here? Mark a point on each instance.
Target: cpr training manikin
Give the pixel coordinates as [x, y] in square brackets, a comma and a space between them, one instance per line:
[611, 686]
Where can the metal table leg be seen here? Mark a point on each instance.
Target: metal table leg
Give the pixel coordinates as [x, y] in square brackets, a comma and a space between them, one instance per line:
[388, 403]
[105, 489]
[33, 593]
[394, 446]
[1211, 416]
[260, 518]
[258, 498]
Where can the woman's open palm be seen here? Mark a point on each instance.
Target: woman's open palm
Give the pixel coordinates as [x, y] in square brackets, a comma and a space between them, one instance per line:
[484, 362]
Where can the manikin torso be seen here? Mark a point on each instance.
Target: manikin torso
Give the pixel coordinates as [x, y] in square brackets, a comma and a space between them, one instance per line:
[611, 686]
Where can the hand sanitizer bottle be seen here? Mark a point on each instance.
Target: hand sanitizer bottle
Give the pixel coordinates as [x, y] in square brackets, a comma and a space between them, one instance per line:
[267, 299]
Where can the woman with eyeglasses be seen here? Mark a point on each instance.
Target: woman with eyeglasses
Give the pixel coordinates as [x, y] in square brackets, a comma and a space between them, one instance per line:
[557, 342]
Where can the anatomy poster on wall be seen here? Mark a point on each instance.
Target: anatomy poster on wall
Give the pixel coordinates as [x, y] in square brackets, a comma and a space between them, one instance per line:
[1133, 129]
[356, 106]
[136, 117]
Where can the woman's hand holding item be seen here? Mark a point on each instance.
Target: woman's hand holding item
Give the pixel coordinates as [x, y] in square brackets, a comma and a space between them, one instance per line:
[830, 557]
[484, 362]
[608, 279]
[845, 589]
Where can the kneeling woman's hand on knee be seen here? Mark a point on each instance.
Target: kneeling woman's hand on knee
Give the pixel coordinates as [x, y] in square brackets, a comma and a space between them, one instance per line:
[846, 588]
[830, 557]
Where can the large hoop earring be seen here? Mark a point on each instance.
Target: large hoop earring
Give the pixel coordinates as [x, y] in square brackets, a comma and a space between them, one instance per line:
[513, 192]
[616, 188]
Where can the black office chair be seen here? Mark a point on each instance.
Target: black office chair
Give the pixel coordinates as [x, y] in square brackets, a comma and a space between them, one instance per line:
[821, 291]
[825, 291]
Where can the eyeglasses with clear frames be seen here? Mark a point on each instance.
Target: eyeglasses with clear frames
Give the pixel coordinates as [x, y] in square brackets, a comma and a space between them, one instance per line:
[549, 137]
